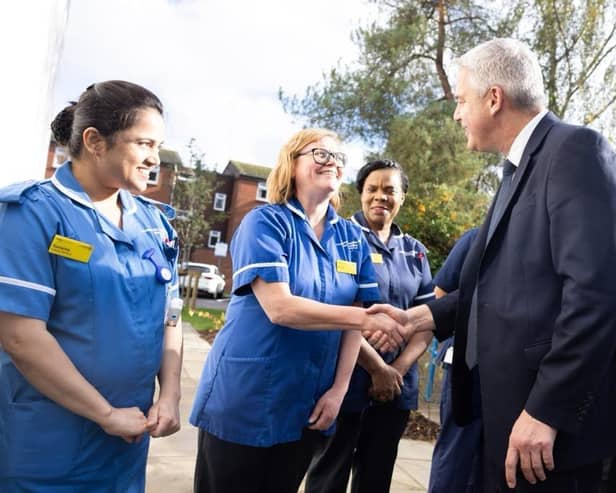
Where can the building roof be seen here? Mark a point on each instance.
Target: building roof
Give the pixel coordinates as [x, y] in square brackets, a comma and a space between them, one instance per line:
[238, 168]
[170, 157]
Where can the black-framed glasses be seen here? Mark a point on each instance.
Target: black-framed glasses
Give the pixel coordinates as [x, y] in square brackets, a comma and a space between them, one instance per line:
[323, 156]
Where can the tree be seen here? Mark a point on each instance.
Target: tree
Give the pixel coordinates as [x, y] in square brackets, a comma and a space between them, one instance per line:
[442, 200]
[576, 43]
[192, 190]
[398, 95]
[401, 67]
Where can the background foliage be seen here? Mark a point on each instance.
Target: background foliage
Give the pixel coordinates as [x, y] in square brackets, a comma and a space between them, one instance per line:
[193, 188]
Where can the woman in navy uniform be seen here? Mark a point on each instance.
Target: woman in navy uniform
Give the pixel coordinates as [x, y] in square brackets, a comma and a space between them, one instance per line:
[280, 367]
[86, 272]
[384, 386]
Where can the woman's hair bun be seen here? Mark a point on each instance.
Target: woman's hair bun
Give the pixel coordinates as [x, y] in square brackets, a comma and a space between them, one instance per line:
[62, 124]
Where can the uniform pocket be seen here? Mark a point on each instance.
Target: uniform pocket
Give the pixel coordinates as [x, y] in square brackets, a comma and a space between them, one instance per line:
[239, 396]
[41, 440]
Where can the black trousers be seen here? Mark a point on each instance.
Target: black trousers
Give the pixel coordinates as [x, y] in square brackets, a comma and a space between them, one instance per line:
[226, 467]
[585, 479]
[365, 443]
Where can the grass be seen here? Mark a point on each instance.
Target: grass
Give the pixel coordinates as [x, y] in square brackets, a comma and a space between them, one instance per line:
[204, 320]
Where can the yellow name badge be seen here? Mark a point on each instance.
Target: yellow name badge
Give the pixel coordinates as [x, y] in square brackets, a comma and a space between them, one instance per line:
[69, 248]
[346, 267]
[377, 258]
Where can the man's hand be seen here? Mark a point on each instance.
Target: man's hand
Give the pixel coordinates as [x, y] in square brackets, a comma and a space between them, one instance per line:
[384, 330]
[326, 409]
[531, 443]
[164, 418]
[416, 319]
[386, 383]
[399, 315]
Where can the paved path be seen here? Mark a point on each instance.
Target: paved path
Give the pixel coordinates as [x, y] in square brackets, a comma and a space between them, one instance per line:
[171, 460]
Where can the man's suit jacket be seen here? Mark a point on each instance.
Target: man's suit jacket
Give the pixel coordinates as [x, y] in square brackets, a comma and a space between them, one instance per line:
[546, 300]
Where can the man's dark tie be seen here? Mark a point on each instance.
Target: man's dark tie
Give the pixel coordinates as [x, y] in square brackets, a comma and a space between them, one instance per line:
[501, 199]
[502, 195]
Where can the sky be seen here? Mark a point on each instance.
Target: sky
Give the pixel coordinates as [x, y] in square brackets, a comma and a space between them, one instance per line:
[217, 65]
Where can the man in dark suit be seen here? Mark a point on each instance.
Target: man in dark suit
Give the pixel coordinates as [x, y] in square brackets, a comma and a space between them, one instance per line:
[535, 313]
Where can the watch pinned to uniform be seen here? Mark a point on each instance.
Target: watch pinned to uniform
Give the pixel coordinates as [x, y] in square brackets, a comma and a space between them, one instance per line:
[163, 273]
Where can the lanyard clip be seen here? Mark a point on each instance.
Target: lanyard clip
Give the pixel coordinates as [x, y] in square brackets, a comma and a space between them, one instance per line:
[163, 273]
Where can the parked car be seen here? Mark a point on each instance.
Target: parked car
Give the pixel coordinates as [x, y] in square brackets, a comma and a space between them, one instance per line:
[210, 282]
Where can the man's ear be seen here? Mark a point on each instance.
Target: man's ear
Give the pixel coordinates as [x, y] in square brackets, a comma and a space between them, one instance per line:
[93, 141]
[495, 97]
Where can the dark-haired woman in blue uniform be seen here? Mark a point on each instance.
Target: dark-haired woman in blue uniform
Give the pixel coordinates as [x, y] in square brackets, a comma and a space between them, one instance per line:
[278, 371]
[385, 384]
[86, 273]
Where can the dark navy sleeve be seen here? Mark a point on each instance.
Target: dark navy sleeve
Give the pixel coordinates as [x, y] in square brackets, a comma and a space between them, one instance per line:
[448, 276]
[425, 292]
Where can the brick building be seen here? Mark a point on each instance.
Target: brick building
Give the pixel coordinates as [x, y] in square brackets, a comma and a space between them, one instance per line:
[239, 188]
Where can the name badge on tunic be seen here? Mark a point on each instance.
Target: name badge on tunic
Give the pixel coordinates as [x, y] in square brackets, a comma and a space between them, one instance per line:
[69, 248]
[346, 267]
[377, 258]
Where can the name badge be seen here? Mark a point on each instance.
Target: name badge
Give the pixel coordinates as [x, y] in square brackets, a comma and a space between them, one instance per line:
[346, 267]
[377, 258]
[69, 248]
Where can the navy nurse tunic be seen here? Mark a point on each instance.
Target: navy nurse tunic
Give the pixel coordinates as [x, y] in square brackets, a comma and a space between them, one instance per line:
[261, 381]
[106, 313]
[405, 280]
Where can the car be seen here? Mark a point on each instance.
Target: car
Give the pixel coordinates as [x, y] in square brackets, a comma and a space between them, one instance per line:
[210, 280]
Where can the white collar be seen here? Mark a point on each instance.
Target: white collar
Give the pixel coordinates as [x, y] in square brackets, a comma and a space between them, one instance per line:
[520, 142]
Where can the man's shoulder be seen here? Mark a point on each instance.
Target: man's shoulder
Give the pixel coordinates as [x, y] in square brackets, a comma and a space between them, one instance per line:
[563, 131]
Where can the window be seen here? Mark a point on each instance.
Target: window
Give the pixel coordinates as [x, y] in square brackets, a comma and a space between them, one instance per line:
[153, 177]
[220, 200]
[262, 191]
[213, 238]
[182, 215]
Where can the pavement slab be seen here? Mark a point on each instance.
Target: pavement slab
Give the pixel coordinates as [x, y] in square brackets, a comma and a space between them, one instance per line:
[171, 460]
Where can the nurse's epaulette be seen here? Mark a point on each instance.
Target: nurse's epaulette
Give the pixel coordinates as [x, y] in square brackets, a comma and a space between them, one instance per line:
[166, 209]
[16, 192]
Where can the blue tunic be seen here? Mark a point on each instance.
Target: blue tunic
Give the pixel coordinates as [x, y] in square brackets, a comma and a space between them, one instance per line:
[405, 280]
[107, 314]
[261, 381]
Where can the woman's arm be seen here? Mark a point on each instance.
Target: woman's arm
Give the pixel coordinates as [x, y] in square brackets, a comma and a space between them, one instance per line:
[164, 415]
[416, 346]
[328, 406]
[40, 359]
[283, 308]
[386, 380]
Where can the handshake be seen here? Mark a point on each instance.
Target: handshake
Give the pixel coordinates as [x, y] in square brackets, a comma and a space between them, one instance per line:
[387, 327]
